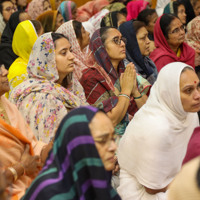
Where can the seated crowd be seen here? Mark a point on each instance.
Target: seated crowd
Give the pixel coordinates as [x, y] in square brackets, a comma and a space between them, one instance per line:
[100, 101]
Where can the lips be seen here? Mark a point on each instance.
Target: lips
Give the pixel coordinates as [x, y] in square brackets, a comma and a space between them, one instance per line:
[123, 51]
[111, 158]
[196, 105]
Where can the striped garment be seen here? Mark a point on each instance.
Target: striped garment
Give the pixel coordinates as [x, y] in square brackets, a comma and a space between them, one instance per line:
[73, 169]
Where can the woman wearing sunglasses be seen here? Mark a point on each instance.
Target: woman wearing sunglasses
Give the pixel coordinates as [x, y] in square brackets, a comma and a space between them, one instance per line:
[108, 84]
[169, 36]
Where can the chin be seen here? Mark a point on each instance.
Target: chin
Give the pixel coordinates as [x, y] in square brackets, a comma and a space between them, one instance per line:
[193, 110]
[110, 167]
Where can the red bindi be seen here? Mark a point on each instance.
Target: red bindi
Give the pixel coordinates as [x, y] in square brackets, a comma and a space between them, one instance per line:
[195, 82]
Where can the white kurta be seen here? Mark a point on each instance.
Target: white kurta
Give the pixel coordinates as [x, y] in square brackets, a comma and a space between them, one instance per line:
[153, 147]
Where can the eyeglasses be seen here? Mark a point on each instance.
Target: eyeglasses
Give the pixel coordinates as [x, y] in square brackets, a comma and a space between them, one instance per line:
[106, 140]
[177, 30]
[9, 9]
[117, 40]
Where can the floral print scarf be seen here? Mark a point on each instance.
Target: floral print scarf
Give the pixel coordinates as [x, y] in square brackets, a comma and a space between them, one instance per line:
[41, 100]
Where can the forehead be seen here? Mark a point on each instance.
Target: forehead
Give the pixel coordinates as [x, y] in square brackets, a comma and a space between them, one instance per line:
[142, 31]
[101, 125]
[188, 77]
[153, 17]
[120, 16]
[113, 33]
[62, 43]
[6, 4]
[181, 7]
[175, 23]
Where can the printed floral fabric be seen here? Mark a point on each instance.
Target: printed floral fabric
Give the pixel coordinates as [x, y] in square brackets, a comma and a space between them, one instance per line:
[36, 8]
[42, 101]
[193, 37]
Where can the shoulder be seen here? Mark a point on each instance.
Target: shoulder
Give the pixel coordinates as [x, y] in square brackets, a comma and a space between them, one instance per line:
[91, 75]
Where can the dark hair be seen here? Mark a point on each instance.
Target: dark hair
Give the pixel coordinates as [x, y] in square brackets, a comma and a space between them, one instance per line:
[176, 4]
[165, 22]
[144, 15]
[1, 6]
[103, 33]
[186, 68]
[77, 29]
[138, 25]
[37, 25]
[56, 36]
[123, 11]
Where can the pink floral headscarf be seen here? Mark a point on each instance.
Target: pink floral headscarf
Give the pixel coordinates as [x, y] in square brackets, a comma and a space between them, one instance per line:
[36, 8]
[40, 99]
[193, 37]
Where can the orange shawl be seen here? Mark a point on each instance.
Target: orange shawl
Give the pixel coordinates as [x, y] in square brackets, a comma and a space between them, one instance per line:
[13, 139]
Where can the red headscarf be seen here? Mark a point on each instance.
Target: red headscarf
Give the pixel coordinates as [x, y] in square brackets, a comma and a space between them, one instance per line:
[134, 8]
[164, 55]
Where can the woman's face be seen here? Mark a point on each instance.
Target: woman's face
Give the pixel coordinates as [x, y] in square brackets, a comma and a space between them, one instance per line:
[7, 10]
[181, 14]
[64, 58]
[22, 3]
[59, 21]
[85, 38]
[120, 19]
[4, 83]
[190, 91]
[74, 13]
[152, 20]
[57, 3]
[46, 5]
[41, 31]
[197, 8]
[114, 45]
[24, 16]
[102, 131]
[143, 41]
[176, 33]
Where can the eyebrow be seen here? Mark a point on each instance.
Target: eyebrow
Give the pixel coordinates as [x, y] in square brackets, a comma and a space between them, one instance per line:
[64, 49]
[188, 86]
[104, 135]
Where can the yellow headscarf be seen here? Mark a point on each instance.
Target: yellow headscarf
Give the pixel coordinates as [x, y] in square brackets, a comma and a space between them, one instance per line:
[24, 38]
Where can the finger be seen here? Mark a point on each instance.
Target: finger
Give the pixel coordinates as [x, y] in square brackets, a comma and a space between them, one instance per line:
[36, 157]
[27, 148]
[39, 164]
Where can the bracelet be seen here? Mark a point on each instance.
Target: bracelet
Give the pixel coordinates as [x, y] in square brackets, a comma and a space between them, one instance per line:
[124, 95]
[14, 173]
[22, 165]
[137, 97]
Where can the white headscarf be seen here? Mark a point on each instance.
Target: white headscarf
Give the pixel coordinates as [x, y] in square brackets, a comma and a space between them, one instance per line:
[155, 141]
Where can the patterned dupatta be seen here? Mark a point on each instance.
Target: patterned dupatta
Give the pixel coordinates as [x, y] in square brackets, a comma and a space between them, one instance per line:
[40, 95]
[66, 8]
[43, 75]
[67, 29]
[103, 60]
[73, 169]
